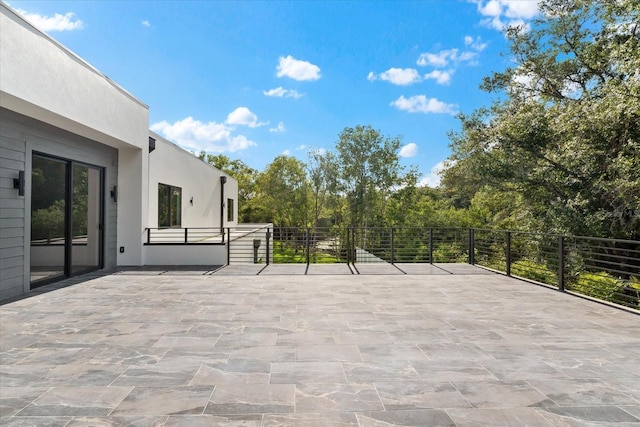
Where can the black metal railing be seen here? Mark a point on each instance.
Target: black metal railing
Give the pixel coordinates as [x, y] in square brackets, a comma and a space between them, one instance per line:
[184, 236]
[606, 269]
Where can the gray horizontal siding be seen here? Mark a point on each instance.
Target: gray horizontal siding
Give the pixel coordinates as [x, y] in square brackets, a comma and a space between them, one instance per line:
[19, 136]
[12, 209]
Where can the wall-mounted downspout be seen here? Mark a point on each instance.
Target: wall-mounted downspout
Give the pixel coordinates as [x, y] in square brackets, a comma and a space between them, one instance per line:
[223, 181]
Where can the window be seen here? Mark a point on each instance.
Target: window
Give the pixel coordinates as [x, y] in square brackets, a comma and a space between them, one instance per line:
[230, 210]
[169, 206]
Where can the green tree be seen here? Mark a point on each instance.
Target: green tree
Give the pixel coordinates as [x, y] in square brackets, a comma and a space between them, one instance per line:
[282, 192]
[322, 170]
[369, 170]
[566, 139]
[246, 177]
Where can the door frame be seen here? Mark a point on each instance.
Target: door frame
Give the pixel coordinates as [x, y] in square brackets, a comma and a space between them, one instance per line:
[68, 219]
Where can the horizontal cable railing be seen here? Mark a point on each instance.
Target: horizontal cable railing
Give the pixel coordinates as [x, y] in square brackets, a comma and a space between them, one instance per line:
[249, 244]
[605, 269]
[184, 236]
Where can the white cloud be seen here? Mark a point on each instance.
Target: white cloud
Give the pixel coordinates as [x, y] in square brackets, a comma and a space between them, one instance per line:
[501, 14]
[146, 23]
[56, 22]
[422, 104]
[409, 150]
[397, 76]
[280, 92]
[279, 129]
[445, 57]
[244, 116]
[286, 153]
[433, 178]
[521, 9]
[440, 59]
[476, 44]
[301, 147]
[196, 135]
[442, 77]
[296, 69]
[492, 8]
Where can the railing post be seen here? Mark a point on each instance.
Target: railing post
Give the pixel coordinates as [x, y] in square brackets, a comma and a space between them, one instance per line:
[148, 236]
[348, 249]
[353, 245]
[472, 248]
[308, 243]
[561, 263]
[508, 253]
[431, 245]
[393, 249]
[268, 238]
[186, 235]
[227, 231]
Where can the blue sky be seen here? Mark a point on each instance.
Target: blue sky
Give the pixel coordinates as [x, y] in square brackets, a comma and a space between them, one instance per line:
[257, 79]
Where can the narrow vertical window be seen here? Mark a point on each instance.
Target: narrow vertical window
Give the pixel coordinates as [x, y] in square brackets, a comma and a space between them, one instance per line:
[169, 206]
[230, 210]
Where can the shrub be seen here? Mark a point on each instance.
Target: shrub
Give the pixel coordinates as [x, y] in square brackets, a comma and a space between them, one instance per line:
[532, 270]
[598, 285]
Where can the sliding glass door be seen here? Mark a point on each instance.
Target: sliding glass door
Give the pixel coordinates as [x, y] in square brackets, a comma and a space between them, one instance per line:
[66, 218]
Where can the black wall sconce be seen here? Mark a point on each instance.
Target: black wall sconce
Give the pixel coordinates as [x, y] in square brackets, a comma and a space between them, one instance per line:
[18, 183]
[114, 194]
[191, 201]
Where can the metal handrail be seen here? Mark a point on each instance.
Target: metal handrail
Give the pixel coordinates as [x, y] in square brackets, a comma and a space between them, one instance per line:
[602, 268]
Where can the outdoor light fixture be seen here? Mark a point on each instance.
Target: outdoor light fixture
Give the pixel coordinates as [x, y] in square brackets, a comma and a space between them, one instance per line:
[152, 144]
[191, 201]
[18, 183]
[114, 194]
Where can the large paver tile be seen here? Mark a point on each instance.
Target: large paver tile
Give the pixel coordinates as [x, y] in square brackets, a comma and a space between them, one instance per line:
[415, 417]
[413, 394]
[321, 419]
[504, 417]
[588, 414]
[502, 394]
[307, 372]
[165, 401]
[582, 392]
[311, 398]
[76, 401]
[256, 399]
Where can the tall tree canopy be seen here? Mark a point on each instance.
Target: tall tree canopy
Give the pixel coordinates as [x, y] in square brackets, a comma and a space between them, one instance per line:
[283, 192]
[565, 139]
[369, 169]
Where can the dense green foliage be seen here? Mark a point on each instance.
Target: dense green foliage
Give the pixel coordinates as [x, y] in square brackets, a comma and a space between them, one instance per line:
[563, 144]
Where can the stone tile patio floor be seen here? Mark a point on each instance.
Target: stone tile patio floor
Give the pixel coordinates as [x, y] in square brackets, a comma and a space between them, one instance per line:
[429, 348]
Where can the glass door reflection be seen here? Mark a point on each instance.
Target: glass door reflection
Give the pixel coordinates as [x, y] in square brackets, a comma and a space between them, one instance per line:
[85, 218]
[66, 218]
[48, 218]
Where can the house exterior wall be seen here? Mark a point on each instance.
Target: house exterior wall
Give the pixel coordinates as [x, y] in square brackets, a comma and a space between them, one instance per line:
[20, 136]
[53, 102]
[12, 212]
[171, 165]
[43, 80]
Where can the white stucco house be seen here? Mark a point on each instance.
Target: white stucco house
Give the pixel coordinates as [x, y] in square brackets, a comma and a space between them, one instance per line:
[84, 184]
